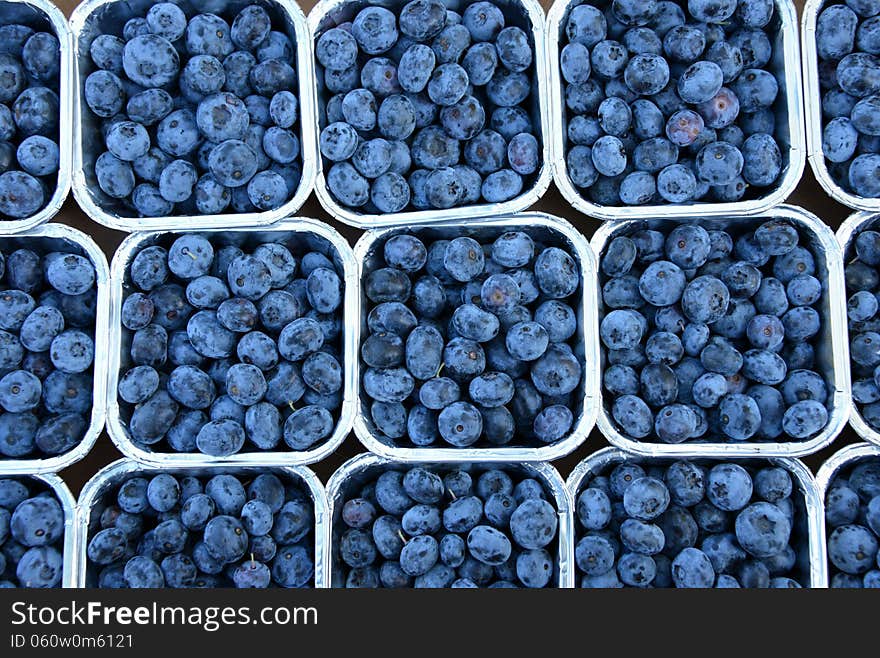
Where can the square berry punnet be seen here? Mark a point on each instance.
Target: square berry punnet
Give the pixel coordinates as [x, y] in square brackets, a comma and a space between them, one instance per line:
[840, 465]
[831, 348]
[348, 481]
[62, 238]
[813, 93]
[300, 234]
[96, 17]
[42, 15]
[528, 15]
[846, 235]
[787, 108]
[40, 484]
[546, 230]
[809, 569]
[100, 492]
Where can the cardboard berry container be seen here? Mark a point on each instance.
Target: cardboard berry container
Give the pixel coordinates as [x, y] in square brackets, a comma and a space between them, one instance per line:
[845, 458]
[45, 239]
[357, 471]
[846, 236]
[93, 500]
[813, 104]
[42, 15]
[547, 229]
[525, 14]
[95, 17]
[832, 350]
[788, 108]
[294, 233]
[810, 513]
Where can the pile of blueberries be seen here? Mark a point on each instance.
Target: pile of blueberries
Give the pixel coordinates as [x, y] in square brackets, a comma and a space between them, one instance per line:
[712, 333]
[48, 303]
[187, 531]
[424, 528]
[852, 517]
[31, 535]
[30, 64]
[688, 525]
[671, 102]
[848, 46]
[472, 344]
[426, 107]
[863, 287]
[230, 350]
[197, 116]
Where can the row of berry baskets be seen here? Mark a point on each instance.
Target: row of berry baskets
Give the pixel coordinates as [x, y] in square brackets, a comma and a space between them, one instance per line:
[268, 347]
[569, 533]
[550, 108]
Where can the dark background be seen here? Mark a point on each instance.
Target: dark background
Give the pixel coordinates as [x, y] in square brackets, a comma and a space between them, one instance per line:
[808, 195]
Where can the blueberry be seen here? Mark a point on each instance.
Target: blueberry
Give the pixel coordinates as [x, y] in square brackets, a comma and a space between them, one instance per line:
[719, 163]
[729, 487]
[415, 67]
[167, 20]
[40, 567]
[867, 36]
[233, 163]
[491, 389]
[501, 186]
[586, 24]
[804, 419]
[379, 75]
[375, 30]
[488, 545]
[35, 111]
[839, 139]
[514, 49]
[638, 188]
[692, 569]
[387, 285]
[348, 185]
[250, 27]
[862, 175]
[150, 60]
[149, 202]
[473, 323]
[762, 162]
[863, 116]
[267, 190]
[636, 570]
[14, 81]
[277, 45]
[106, 546]
[338, 141]
[762, 529]
[451, 43]
[72, 351]
[150, 106]
[106, 52]
[574, 63]
[221, 117]
[37, 521]
[460, 424]
[483, 20]
[177, 134]
[336, 49]
[220, 438]
[720, 111]
[104, 93]
[645, 74]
